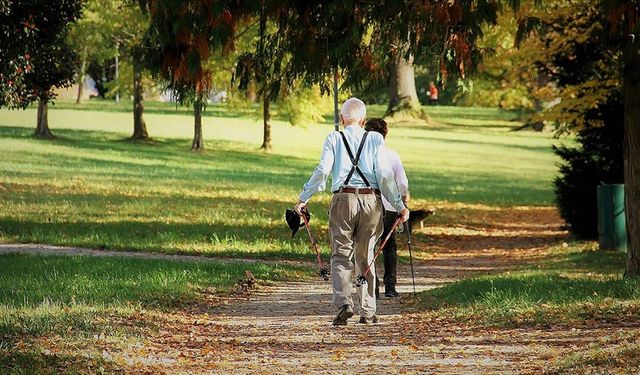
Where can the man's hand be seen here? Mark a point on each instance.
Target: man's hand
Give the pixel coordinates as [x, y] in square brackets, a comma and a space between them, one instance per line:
[405, 214]
[298, 207]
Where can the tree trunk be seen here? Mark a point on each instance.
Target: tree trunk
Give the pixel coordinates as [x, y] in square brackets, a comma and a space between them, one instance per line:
[403, 96]
[266, 115]
[251, 93]
[631, 83]
[198, 143]
[139, 126]
[81, 75]
[42, 125]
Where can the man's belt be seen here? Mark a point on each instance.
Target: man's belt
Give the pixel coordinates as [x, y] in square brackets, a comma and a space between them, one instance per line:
[354, 190]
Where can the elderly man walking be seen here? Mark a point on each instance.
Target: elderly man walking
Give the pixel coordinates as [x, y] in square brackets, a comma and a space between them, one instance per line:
[390, 250]
[359, 166]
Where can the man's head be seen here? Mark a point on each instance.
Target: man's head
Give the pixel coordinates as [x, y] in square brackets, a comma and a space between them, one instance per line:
[353, 112]
[377, 125]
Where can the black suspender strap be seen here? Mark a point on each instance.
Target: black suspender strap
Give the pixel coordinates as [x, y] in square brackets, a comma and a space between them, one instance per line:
[355, 160]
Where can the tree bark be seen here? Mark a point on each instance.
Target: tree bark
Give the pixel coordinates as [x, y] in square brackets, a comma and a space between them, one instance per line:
[42, 124]
[403, 96]
[251, 93]
[266, 116]
[139, 126]
[198, 143]
[631, 78]
[81, 75]
[530, 124]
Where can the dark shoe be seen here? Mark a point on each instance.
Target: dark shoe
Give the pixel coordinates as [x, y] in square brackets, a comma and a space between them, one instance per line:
[344, 313]
[374, 319]
[390, 292]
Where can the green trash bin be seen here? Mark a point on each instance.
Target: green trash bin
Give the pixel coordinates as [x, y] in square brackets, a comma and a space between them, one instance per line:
[612, 229]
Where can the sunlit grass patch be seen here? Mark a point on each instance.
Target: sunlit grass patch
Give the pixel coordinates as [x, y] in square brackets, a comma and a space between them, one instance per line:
[114, 281]
[92, 188]
[546, 295]
[63, 294]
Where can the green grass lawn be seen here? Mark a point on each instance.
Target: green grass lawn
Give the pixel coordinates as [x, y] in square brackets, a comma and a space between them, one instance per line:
[92, 188]
[571, 286]
[44, 294]
[79, 298]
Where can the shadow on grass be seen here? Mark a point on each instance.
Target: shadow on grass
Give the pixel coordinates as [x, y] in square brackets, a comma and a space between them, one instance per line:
[108, 156]
[216, 110]
[217, 239]
[497, 145]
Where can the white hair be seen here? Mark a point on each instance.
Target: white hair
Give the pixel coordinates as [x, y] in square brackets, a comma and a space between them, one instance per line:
[353, 110]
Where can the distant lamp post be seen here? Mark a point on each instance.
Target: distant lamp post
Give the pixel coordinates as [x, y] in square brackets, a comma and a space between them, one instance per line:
[117, 73]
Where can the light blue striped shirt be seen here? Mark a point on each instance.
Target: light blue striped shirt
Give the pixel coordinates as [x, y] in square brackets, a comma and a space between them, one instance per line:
[374, 164]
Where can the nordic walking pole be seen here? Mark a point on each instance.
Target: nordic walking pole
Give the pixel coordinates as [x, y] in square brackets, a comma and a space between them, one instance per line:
[413, 275]
[362, 279]
[324, 272]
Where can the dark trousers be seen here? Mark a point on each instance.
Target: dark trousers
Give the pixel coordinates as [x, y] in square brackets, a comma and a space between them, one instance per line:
[390, 251]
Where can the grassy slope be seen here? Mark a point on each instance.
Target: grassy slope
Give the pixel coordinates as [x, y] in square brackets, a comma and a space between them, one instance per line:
[91, 188]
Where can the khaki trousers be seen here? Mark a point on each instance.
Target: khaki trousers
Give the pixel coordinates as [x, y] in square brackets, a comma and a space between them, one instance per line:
[355, 225]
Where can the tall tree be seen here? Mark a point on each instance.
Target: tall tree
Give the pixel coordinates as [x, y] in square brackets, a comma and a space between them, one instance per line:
[130, 24]
[403, 96]
[264, 67]
[35, 52]
[105, 30]
[361, 39]
[442, 34]
[179, 41]
[624, 33]
[617, 51]
[90, 38]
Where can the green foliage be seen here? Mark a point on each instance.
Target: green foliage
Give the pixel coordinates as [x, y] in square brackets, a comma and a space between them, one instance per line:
[36, 58]
[506, 77]
[106, 30]
[180, 39]
[597, 160]
[306, 106]
[124, 85]
[93, 35]
[584, 72]
[581, 68]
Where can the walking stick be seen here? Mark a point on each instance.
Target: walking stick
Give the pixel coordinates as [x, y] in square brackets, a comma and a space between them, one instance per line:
[413, 275]
[362, 278]
[324, 272]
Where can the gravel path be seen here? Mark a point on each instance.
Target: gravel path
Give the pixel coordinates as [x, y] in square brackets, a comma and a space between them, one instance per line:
[286, 328]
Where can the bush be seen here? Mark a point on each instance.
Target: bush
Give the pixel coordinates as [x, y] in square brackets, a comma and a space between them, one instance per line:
[598, 159]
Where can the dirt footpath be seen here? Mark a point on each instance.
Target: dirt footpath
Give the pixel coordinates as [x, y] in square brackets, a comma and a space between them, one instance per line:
[286, 328]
